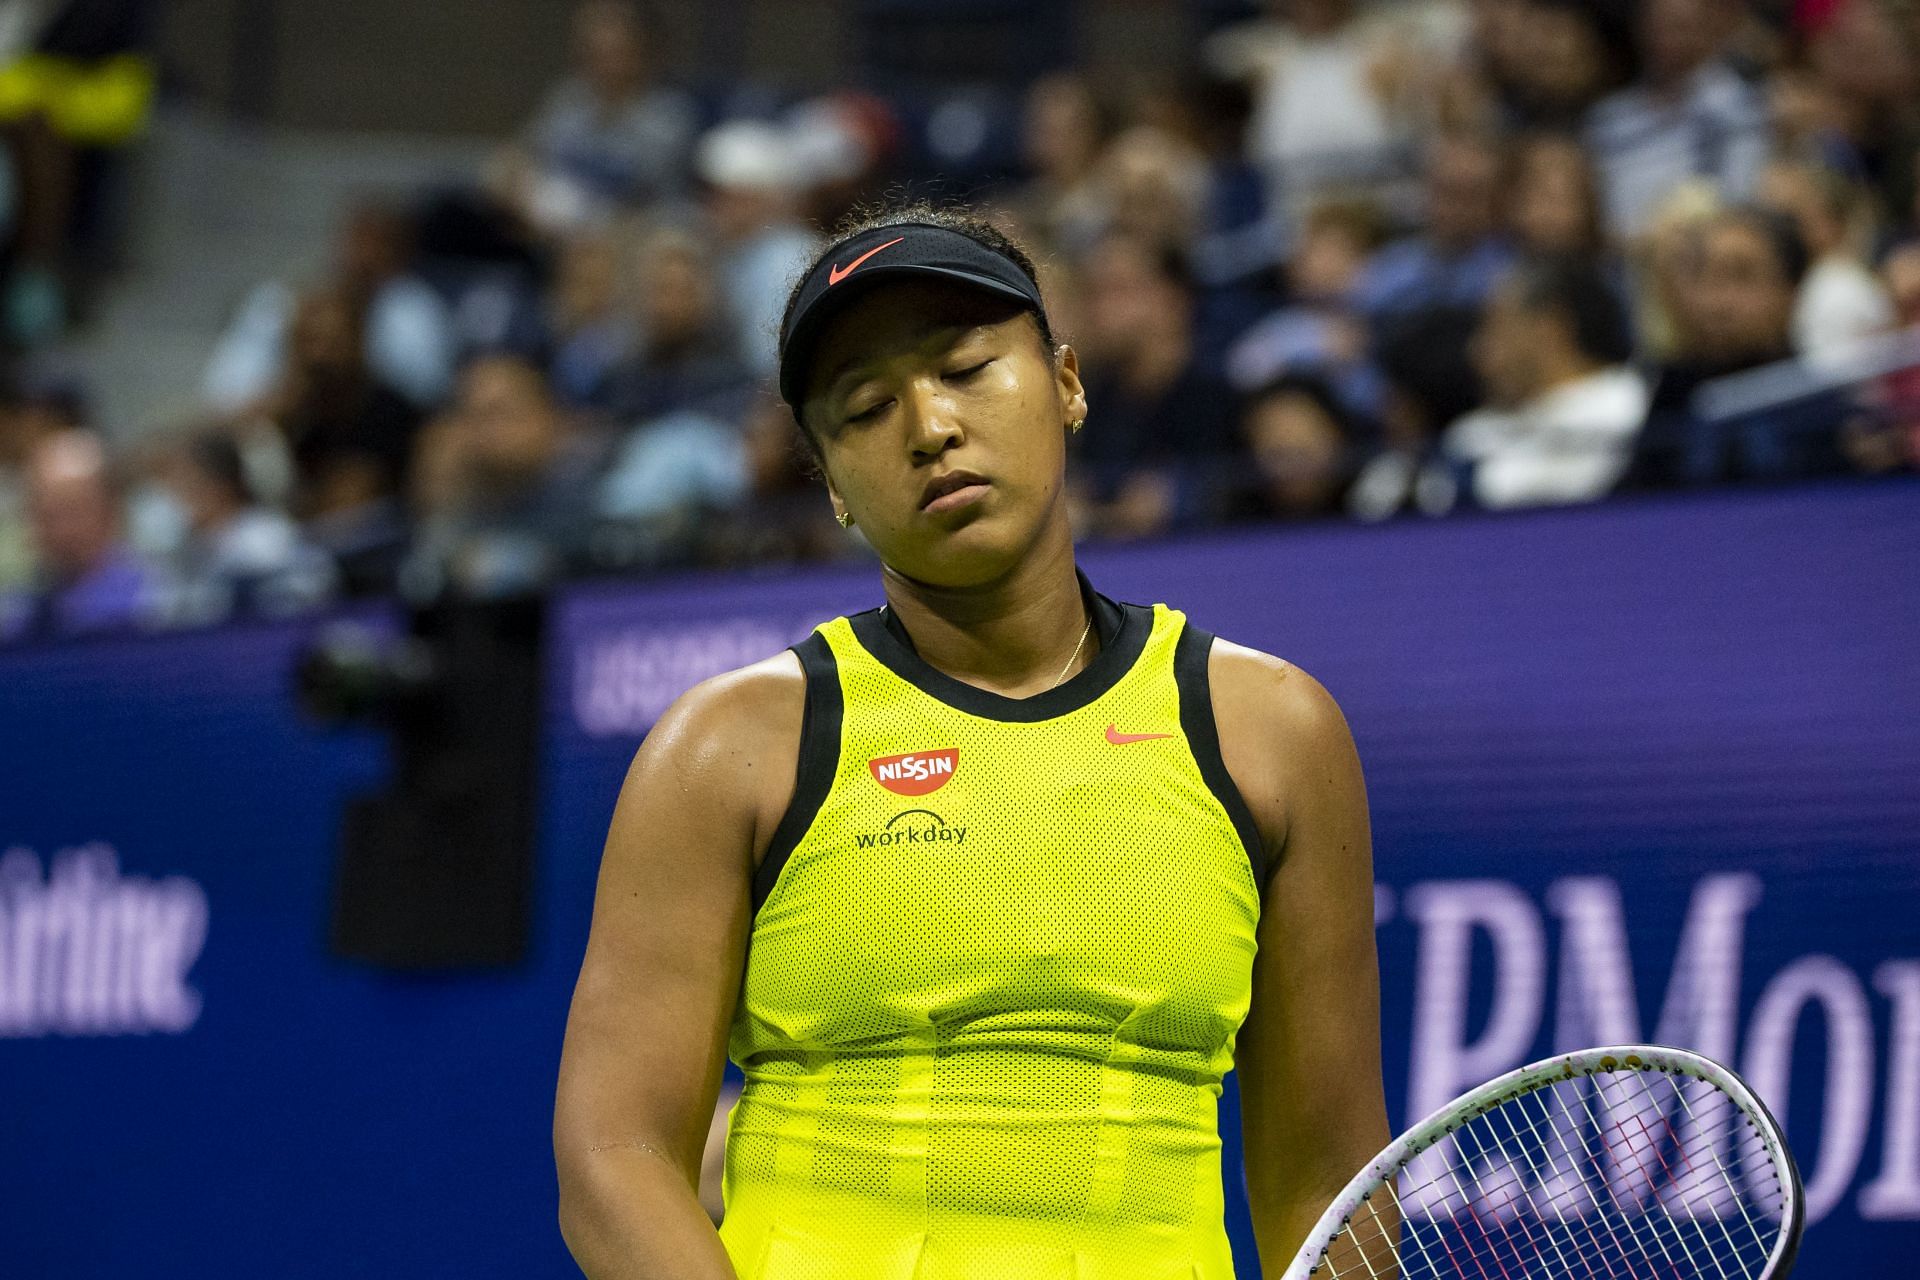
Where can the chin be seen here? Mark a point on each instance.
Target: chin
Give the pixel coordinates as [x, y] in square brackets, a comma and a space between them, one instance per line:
[979, 551]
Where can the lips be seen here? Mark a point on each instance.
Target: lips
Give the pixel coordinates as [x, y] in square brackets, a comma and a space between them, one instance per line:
[948, 482]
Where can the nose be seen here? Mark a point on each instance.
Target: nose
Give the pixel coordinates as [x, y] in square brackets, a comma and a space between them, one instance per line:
[933, 420]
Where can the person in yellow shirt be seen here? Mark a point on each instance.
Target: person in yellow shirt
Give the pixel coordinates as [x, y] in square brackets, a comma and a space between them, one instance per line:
[985, 888]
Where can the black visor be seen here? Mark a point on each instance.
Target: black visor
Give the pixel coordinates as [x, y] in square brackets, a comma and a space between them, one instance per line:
[889, 253]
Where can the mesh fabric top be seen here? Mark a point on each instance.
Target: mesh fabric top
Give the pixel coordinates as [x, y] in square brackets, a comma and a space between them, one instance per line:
[1004, 950]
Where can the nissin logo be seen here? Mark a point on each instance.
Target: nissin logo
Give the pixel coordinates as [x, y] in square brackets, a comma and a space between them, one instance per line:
[917, 772]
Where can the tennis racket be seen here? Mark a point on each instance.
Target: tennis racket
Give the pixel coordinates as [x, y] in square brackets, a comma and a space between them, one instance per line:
[1632, 1163]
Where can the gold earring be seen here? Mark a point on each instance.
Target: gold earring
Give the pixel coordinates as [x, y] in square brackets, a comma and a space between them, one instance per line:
[1076, 424]
[846, 519]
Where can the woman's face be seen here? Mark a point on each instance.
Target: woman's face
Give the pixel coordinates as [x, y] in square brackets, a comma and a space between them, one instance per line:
[1298, 449]
[921, 379]
[1552, 210]
[1062, 128]
[1742, 297]
[1563, 62]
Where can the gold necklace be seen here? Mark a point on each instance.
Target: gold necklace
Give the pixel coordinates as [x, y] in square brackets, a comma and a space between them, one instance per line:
[1084, 633]
[1076, 653]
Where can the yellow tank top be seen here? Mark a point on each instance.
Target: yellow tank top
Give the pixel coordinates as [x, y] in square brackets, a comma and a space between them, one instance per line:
[1000, 952]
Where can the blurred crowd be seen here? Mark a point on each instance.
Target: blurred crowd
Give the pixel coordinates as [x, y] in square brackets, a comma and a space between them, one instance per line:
[1344, 260]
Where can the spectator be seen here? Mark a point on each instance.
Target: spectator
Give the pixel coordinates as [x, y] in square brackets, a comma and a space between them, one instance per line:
[501, 488]
[1159, 422]
[1458, 252]
[1748, 270]
[1064, 131]
[29, 415]
[1564, 55]
[844, 142]
[349, 434]
[1661, 267]
[590, 320]
[1864, 61]
[1302, 447]
[81, 79]
[607, 137]
[687, 357]
[1333, 94]
[1155, 186]
[1479, 88]
[752, 186]
[1237, 234]
[346, 439]
[1895, 444]
[1319, 332]
[408, 337]
[1555, 202]
[1840, 301]
[1422, 296]
[89, 580]
[679, 398]
[782, 516]
[240, 558]
[1564, 405]
[1689, 115]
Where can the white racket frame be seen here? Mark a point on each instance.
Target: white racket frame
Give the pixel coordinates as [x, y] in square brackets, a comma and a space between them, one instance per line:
[1524, 1080]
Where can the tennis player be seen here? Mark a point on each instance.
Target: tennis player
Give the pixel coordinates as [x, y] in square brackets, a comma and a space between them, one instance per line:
[984, 888]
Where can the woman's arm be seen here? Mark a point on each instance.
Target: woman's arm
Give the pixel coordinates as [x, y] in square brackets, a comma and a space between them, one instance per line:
[1313, 1108]
[646, 1036]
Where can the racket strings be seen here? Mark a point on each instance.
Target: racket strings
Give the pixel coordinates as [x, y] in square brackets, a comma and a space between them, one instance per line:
[1629, 1138]
[1634, 1175]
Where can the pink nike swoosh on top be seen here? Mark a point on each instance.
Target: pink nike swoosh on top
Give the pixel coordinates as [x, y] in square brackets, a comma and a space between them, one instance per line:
[838, 273]
[1119, 739]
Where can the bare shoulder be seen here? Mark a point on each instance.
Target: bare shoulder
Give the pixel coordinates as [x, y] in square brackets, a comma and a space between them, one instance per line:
[736, 737]
[733, 708]
[1277, 726]
[1253, 685]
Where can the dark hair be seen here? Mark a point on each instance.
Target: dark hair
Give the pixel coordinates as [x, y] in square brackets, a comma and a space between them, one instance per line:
[1780, 231]
[216, 456]
[867, 218]
[1316, 390]
[59, 396]
[1611, 23]
[1168, 262]
[1577, 287]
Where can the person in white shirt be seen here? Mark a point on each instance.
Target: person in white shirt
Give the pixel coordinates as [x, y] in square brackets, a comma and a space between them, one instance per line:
[753, 184]
[1840, 300]
[607, 137]
[240, 558]
[407, 329]
[1334, 94]
[1565, 406]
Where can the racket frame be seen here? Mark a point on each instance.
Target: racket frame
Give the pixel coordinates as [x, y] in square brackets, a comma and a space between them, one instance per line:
[1524, 1080]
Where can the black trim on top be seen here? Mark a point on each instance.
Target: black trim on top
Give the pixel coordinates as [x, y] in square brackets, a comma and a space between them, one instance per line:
[1190, 655]
[1123, 630]
[819, 760]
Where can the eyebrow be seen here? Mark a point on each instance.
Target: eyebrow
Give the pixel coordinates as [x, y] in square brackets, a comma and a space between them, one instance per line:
[925, 333]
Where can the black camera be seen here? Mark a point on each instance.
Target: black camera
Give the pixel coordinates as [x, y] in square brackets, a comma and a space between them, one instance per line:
[435, 870]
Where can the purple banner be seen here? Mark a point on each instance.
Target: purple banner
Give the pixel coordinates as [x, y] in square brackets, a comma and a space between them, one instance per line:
[1647, 770]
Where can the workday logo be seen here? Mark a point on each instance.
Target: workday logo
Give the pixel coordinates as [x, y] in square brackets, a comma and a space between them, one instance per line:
[912, 826]
[917, 773]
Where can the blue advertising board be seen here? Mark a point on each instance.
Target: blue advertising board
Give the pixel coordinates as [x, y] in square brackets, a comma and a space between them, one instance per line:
[1649, 770]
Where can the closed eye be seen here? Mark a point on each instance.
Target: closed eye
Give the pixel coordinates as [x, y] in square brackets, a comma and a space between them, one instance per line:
[871, 411]
[961, 375]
